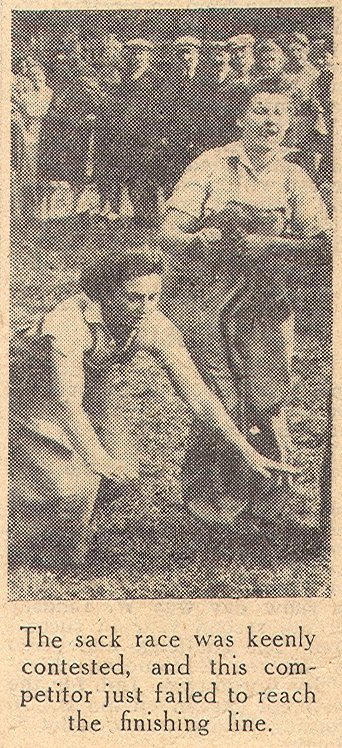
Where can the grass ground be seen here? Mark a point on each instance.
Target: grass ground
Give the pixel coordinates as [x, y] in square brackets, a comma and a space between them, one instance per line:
[164, 554]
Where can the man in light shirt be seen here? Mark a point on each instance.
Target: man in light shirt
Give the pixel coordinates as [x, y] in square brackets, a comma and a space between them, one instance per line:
[238, 217]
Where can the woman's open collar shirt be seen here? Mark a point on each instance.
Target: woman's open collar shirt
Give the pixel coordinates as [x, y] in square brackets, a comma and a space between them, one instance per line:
[223, 174]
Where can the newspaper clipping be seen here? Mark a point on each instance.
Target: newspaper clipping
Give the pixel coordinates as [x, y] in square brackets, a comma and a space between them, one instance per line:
[170, 514]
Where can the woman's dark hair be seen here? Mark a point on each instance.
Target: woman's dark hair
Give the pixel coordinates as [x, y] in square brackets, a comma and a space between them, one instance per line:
[245, 92]
[110, 273]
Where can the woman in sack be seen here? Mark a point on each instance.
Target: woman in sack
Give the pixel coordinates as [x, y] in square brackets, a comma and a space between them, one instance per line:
[242, 220]
[80, 435]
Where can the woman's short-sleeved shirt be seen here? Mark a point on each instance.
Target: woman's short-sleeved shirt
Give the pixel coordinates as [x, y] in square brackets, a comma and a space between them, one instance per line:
[225, 174]
[76, 328]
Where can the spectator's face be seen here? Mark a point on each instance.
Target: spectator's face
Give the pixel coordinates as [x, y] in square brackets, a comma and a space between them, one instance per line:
[141, 57]
[133, 300]
[221, 58]
[271, 60]
[298, 53]
[322, 59]
[241, 57]
[23, 69]
[111, 50]
[37, 75]
[265, 120]
[188, 57]
[72, 46]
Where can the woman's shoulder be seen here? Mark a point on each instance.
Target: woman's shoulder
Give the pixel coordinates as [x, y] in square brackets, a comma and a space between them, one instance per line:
[211, 156]
[296, 174]
[68, 308]
[66, 322]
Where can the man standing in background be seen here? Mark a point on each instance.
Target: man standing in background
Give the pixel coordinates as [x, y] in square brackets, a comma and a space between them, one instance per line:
[219, 95]
[67, 144]
[138, 125]
[311, 129]
[241, 57]
[109, 60]
[108, 138]
[186, 56]
[185, 85]
[301, 73]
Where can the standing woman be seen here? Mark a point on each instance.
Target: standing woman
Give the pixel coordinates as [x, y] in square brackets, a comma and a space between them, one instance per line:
[238, 217]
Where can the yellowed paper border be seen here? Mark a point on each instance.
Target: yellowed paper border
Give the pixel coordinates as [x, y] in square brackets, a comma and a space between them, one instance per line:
[43, 727]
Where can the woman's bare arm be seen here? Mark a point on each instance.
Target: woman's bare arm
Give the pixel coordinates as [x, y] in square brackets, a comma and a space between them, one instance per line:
[170, 349]
[180, 231]
[68, 380]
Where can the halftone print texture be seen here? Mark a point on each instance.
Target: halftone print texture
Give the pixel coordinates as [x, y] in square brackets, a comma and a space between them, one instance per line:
[170, 382]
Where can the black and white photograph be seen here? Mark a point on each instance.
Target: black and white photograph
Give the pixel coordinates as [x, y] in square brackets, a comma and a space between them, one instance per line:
[171, 218]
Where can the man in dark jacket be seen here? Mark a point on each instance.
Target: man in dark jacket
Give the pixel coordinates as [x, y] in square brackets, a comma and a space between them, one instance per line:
[185, 84]
[136, 124]
[68, 126]
[220, 95]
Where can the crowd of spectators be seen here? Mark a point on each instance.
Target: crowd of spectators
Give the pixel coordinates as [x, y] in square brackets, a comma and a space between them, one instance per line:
[105, 126]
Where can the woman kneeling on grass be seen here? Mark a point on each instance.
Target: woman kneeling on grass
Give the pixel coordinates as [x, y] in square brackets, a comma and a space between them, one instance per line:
[92, 335]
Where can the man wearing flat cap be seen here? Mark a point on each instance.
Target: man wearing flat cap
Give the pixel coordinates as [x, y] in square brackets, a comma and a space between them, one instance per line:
[311, 124]
[301, 73]
[139, 57]
[139, 128]
[312, 128]
[242, 56]
[70, 63]
[109, 61]
[186, 55]
[270, 59]
[218, 60]
[186, 104]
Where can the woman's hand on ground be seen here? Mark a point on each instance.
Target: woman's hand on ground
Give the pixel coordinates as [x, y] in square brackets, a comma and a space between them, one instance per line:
[117, 470]
[266, 467]
[209, 236]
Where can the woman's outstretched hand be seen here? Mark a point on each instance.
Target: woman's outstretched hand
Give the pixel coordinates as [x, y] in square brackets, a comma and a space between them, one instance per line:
[266, 467]
[116, 470]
